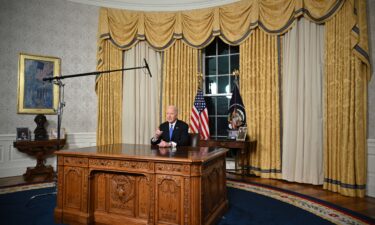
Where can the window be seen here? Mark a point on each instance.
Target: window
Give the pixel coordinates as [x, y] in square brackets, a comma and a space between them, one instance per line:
[219, 61]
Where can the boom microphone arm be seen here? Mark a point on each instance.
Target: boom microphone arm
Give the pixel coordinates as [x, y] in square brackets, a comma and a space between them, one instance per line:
[99, 72]
[148, 68]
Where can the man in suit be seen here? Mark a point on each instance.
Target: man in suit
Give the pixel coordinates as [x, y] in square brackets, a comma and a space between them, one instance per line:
[173, 132]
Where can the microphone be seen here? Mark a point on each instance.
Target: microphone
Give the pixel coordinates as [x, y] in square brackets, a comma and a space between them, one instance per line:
[148, 68]
[47, 79]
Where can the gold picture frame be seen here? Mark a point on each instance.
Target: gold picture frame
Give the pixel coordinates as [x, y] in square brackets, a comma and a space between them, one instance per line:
[36, 96]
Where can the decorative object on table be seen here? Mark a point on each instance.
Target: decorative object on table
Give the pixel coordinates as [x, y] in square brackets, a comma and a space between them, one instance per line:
[241, 136]
[53, 133]
[23, 133]
[40, 131]
[232, 134]
[236, 112]
[36, 96]
[40, 150]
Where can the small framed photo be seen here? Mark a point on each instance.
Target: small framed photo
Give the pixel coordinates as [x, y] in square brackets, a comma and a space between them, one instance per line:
[23, 134]
[53, 133]
[241, 136]
[35, 95]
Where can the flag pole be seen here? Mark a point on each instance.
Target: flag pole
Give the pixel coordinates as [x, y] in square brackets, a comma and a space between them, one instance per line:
[200, 81]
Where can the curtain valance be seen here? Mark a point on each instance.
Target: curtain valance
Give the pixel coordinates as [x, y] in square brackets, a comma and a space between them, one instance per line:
[232, 22]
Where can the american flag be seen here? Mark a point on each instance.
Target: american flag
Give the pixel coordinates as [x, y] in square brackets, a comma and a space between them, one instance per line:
[199, 117]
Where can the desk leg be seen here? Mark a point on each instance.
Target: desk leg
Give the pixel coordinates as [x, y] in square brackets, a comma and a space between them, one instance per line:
[242, 162]
[239, 159]
[236, 163]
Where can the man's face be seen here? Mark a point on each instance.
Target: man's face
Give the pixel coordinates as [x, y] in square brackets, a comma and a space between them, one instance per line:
[171, 114]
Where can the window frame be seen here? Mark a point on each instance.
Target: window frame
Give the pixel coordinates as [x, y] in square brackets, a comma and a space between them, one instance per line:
[215, 97]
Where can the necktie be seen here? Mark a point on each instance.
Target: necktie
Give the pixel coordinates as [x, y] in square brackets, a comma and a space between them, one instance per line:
[170, 132]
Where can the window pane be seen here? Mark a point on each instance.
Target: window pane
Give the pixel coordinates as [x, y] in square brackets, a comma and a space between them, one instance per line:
[222, 126]
[223, 84]
[223, 64]
[234, 49]
[223, 48]
[211, 66]
[222, 106]
[211, 85]
[234, 63]
[210, 104]
[211, 49]
[212, 122]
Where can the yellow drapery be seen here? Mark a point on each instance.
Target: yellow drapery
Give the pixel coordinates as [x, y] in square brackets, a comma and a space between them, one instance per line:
[232, 22]
[259, 86]
[345, 100]
[180, 80]
[109, 91]
[197, 28]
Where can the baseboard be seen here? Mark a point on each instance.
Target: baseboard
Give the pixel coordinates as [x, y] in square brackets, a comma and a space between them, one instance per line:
[371, 167]
[14, 163]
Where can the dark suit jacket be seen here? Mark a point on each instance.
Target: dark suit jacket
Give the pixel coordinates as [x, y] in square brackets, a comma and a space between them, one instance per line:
[180, 133]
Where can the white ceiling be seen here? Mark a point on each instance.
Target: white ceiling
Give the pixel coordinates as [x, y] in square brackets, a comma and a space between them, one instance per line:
[156, 5]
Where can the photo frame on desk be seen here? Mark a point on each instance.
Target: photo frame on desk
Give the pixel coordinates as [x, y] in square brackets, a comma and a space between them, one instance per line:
[36, 96]
[53, 133]
[23, 134]
[242, 132]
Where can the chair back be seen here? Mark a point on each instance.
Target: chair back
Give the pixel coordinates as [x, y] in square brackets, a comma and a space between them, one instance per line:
[194, 139]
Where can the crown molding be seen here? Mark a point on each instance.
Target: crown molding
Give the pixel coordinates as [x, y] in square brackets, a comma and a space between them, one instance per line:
[156, 5]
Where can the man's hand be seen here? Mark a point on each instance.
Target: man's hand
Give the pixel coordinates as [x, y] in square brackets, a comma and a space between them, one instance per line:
[164, 144]
[157, 134]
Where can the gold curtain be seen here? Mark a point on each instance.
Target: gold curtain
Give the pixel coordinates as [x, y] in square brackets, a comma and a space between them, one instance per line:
[259, 87]
[180, 80]
[345, 100]
[232, 22]
[109, 91]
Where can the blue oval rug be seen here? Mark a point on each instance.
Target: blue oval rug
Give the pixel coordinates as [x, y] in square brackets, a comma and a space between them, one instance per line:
[251, 203]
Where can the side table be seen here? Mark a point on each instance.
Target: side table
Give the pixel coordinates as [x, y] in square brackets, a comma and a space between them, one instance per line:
[243, 149]
[40, 150]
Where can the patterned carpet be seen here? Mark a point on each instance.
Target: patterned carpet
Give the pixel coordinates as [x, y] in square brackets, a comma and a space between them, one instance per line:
[320, 208]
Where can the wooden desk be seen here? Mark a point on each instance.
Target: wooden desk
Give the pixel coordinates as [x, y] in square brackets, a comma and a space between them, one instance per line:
[136, 184]
[243, 150]
[40, 150]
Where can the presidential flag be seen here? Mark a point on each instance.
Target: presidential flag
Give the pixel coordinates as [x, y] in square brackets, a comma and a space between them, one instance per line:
[236, 112]
[199, 117]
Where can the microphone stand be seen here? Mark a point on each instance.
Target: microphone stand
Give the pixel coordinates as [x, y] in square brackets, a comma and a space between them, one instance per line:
[60, 109]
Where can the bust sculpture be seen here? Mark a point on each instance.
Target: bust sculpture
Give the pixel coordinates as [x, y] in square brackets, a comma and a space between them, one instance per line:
[40, 131]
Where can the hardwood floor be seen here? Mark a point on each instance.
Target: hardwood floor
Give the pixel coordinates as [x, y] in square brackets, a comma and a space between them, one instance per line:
[365, 206]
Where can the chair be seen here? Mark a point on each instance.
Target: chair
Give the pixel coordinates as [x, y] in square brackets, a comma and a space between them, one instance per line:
[194, 140]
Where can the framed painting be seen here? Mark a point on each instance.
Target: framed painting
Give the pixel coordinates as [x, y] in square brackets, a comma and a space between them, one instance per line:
[36, 96]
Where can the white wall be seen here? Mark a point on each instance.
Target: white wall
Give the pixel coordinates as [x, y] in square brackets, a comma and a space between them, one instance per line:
[57, 28]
